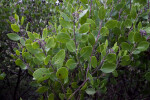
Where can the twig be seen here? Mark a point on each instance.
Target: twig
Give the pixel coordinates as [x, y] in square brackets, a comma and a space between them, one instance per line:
[74, 33]
[130, 4]
[78, 89]
[100, 26]
[148, 4]
[90, 9]
[99, 66]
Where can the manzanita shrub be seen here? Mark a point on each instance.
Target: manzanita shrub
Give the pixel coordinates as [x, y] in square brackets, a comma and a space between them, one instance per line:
[90, 45]
[11, 11]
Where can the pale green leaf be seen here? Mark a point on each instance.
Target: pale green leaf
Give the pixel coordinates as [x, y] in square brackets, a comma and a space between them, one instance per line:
[13, 36]
[15, 27]
[41, 74]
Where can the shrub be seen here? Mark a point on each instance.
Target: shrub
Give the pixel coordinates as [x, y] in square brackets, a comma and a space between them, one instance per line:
[94, 49]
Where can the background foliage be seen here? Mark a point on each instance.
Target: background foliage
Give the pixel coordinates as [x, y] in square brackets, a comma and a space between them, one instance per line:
[75, 49]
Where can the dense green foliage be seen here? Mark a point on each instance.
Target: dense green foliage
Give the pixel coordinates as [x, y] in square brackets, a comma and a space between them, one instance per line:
[82, 49]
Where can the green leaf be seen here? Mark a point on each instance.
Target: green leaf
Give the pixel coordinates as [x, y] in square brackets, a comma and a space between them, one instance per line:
[139, 25]
[17, 52]
[137, 37]
[47, 59]
[90, 91]
[35, 45]
[128, 23]
[133, 12]
[143, 46]
[115, 47]
[42, 89]
[90, 78]
[136, 51]
[40, 56]
[44, 35]
[84, 38]
[58, 59]
[71, 64]
[86, 52]
[125, 60]
[111, 24]
[63, 37]
[115, 73]
[22, 41]
[106, 44]
[61, 96]
[147, 76]
[94, 62]
[83, 13]
[27, 55]
[2, 76]
[13, 36]
[92, 23]
[31, 49]
[41, 74]
[64, 23]
[125, 46]
[109, 2]
[111, 58]
[104, 31]
[71, 46]
[102, 13]
[91, 39]
[84, 28]
[20, 63]
[108, 67]
[22, 20]
[140, 1]
[66, 18]
[16, 18]
[51, 96]
[31, 36]
[15, 27]
[50, 43]
[62, 73]
[84, 87]
[74, 85]
[131, 37]
[84, 1]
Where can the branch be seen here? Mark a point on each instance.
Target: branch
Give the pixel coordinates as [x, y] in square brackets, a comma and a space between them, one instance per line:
[77, 89]
[99, 66]
[148, 4]
[74, 32]
[100, 26]
[90, 9]
[130, 4]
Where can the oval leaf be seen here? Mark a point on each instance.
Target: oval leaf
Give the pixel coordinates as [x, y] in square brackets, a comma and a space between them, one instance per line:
[102, 13]
[58, 59]
[41, 74]
[71, 46]
[84, 28]
[90, 91]
[108, 67]
[71, 64]
[15, 27]
[13, 36]
[86, 52]
[142, 46]
[62, 73]
[63, 37]
[111, 24]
